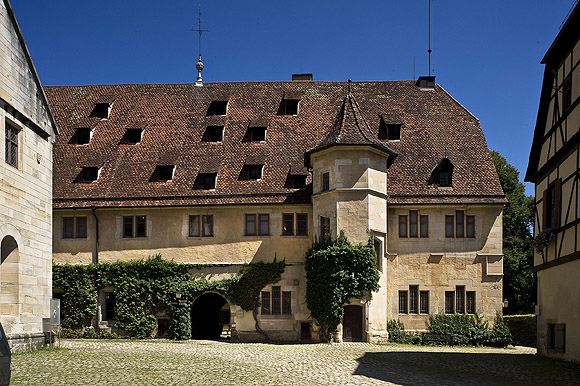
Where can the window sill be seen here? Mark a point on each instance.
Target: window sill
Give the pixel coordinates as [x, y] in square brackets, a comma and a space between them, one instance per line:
[276, 316]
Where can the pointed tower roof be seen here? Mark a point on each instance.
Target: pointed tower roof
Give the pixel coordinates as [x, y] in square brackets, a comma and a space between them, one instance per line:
[350, 129]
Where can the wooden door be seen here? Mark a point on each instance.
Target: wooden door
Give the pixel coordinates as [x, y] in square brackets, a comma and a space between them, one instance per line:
[352, 330]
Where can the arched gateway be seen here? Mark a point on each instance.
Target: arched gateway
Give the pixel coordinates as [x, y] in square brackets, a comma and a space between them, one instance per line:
[210, 313]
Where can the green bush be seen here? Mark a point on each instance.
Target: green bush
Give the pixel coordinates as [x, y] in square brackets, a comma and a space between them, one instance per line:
[523, 329]
[88, 333]
[397, 333]
[470, 330]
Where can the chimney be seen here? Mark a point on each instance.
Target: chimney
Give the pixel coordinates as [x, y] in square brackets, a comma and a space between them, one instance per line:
[426, 82]
[301, 77]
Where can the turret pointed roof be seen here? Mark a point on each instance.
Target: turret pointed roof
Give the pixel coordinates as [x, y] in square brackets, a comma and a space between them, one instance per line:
[350, 129]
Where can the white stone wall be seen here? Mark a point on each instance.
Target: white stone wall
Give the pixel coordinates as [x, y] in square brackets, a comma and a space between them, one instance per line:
[25, 191]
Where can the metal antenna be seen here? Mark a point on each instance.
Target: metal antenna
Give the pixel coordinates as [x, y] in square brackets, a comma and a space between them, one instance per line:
[199, 64]
[199, 29]
[429, 50]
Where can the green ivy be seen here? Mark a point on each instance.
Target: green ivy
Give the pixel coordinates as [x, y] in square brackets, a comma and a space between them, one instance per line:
[146, 287]
[336, 272]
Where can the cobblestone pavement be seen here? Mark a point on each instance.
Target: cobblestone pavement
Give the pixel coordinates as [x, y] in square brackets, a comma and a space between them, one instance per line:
[162, 362]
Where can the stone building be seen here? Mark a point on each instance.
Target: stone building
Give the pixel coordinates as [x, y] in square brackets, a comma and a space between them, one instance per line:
[27, 132]
[231, 173]
[554, 169]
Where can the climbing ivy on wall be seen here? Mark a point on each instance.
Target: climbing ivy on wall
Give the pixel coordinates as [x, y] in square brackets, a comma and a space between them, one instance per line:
[336, 272]
[146, 287]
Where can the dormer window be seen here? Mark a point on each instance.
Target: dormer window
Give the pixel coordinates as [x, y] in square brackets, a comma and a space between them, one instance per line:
[89, 174]
[83, 135]
[255, 172]
[101, 110]
[298, 181]
[134, 136]
[290, 106]
[163, 173]
[258, 134]
[442, 175]
[217, 108]
[213, 134]
[390, 131]
[205, 181]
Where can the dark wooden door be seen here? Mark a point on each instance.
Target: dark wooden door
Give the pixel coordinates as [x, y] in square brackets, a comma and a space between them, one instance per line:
[352, 324]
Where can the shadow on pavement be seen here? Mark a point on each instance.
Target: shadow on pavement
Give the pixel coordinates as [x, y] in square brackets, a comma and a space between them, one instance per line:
[449, 368]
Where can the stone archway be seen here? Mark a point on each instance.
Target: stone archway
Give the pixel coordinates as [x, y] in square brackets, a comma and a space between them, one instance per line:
[9, 276]
[210, 312]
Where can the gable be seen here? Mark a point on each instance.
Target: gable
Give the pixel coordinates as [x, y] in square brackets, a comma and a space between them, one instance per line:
[20, 87]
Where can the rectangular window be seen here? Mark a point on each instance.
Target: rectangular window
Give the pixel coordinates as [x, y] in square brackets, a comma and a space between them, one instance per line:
[459, 223]
[215, 133]
[298, 181]
[164, 173]
[470, 226]
[141, 226]
[324, 228]
[286, 302]
[394, 131]
[266, 303]
[276, 300]
[460, 299]
[128, 226]
[264, 224]
[290, 106]
[258, 134]
[89, 174]
[557, 337]
[566, 94]
[402, 226]
[470, 302]
[413, 299]
[403, 302]
[552, 205]
[254, 172]
[250, 224]
[194, 226]
[424, 226]
[207, 228]
[413, 223]
[68, 227]
[217, 108]
[449, 226]
[83, 135]
[325, 182]
[134, 136]
[302, 224]
[11, 144]
[288, 224]
[449, 302]
[81, 227]
[424, 302]
[208, 180]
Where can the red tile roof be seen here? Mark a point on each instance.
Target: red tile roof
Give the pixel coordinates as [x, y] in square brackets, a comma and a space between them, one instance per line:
[174, 120]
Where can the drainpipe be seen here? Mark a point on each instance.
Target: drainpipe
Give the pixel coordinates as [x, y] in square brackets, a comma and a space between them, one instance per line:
[96, 255]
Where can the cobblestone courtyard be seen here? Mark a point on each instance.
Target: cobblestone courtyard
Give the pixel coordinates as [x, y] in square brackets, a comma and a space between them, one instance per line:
[161, 362]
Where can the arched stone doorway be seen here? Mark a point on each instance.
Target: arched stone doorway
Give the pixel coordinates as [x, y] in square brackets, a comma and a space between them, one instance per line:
[352, 326]
[210, 312]
[9, 277]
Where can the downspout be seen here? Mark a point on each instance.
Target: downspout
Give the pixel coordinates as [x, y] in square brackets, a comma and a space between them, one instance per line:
[96, 255]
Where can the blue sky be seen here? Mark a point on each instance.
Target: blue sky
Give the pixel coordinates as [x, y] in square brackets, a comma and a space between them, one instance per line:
[485, 53]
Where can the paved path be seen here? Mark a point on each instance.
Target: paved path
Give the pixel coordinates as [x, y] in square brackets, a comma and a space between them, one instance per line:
[161, 362]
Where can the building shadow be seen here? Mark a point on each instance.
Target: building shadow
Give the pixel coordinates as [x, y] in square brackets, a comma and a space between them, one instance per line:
[458, 368]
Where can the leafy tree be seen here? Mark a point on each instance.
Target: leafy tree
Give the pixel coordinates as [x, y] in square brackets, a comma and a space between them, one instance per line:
[337, 272]
[518, 217]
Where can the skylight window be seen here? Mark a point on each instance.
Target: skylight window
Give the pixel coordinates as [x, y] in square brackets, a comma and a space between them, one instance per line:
[217, 108]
